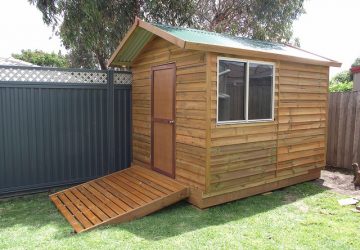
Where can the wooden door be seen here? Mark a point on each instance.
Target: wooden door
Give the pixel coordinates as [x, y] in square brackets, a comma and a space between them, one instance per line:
[163, 119]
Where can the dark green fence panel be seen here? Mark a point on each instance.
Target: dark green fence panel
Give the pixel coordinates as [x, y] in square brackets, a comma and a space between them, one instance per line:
[63, 131]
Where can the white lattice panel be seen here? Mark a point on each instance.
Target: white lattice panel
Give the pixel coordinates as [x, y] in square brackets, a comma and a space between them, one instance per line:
[17, 74]
[122, 78]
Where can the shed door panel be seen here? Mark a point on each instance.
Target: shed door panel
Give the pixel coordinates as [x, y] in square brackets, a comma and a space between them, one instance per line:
[163, 119]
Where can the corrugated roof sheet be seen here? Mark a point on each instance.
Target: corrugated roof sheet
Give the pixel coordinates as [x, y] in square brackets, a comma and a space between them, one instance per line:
[217, 39]
[132, 48]
[142, 32]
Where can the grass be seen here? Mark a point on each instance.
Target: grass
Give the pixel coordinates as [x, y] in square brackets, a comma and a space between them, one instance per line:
[304, 216]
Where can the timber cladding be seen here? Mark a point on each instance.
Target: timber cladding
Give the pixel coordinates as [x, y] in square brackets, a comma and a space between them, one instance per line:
[245, 156]
[190, 108]
[220, 159]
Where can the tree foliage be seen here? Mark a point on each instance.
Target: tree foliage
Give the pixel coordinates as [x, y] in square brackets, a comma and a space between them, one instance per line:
[91, 29]
[342, 77]
[356, 62]
[42, 58]
[341, 87]
[260, 19]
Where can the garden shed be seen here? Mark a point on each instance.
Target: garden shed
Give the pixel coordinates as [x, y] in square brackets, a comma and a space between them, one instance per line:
[224, 116]
[228, 116]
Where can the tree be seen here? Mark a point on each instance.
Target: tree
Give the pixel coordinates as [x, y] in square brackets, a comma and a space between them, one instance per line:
[96, 26]
[341, 82]
[341, 77]
[356, 62]
[42, 58]
[259, 19]
[80, 57]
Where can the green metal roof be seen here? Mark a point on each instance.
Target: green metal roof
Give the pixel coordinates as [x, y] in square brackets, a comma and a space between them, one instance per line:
[213, 38]
[138, 39]
[142, 32]
[218, 39]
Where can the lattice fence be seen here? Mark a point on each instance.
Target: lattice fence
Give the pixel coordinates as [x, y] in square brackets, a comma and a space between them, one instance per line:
[122, 78]
[55, 75]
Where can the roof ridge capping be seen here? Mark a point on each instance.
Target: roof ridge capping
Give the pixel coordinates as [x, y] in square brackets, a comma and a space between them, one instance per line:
[195, 39]
[217, 34]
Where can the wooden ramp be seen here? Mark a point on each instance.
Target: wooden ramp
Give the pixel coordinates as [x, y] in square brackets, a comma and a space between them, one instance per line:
[116, 198]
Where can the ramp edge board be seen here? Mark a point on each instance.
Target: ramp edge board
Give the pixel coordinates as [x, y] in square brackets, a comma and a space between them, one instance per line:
[116, 198]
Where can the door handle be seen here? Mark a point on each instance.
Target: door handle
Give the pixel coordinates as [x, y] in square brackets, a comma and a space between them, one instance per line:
[171, 122]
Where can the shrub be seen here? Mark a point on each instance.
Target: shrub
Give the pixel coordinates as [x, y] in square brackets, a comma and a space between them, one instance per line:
[342, 77]
[341, 87]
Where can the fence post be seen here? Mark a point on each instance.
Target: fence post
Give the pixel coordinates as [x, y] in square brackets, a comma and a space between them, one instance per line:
[111, 119]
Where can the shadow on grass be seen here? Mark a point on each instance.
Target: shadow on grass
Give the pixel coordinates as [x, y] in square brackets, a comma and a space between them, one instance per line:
[36, 211]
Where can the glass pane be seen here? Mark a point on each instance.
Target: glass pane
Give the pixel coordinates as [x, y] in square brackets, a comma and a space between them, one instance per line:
[231, 101]
[260, 91]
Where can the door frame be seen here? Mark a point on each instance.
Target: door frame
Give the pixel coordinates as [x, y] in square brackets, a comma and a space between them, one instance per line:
[153, 69]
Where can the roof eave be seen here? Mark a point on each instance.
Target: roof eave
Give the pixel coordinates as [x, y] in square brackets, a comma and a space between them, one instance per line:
[254, 53]
[149, 27]
[161, 33]
[122, 42]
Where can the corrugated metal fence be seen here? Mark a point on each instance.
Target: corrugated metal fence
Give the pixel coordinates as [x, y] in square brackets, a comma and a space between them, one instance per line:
[343, 147]
[62, 126]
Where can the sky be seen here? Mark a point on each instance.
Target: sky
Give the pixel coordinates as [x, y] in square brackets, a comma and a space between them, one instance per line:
[328, 28]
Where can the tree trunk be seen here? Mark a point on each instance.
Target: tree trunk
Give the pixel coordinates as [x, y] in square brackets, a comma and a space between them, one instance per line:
[101, 60]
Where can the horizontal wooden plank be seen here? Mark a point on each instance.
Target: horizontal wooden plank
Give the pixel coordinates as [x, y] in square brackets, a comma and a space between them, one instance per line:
[243, 164]
[238, 148]
[302, 96]
[303, 74]
[303, 67]
[300, 154]
[301, 125]
[301, 147]
[302, 118]
[231, 175]
[239, 156]
[224, 131]
[243, 139]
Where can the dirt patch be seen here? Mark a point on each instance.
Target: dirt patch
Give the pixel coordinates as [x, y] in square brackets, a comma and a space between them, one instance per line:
[338, 181]
[290, 198]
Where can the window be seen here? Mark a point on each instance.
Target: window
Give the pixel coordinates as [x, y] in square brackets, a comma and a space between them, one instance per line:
[245, 91]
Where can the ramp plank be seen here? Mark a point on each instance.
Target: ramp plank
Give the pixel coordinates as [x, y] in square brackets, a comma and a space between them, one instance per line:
[82, 208]
[118, 197]
[99, 203]
[129, 203]
[90, 205]
[68, 216]
[159, 190]
[117, 200]
[131, 188]
[76, 212]
[138, 186]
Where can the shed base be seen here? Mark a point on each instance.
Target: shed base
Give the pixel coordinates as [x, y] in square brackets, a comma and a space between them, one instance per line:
[197, 197]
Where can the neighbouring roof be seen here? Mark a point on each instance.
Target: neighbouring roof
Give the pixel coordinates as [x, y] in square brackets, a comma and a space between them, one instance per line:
[15, 62]
[355, 69]
[142, 32]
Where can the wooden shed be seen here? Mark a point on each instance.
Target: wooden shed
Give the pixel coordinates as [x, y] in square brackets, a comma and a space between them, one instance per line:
[230, 117]
[224, 116]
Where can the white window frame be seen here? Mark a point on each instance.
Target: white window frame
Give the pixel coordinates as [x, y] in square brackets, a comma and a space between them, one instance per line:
[220, 58]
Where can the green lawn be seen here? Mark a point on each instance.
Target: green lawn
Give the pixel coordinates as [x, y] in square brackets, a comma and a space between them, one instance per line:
[305, 216]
